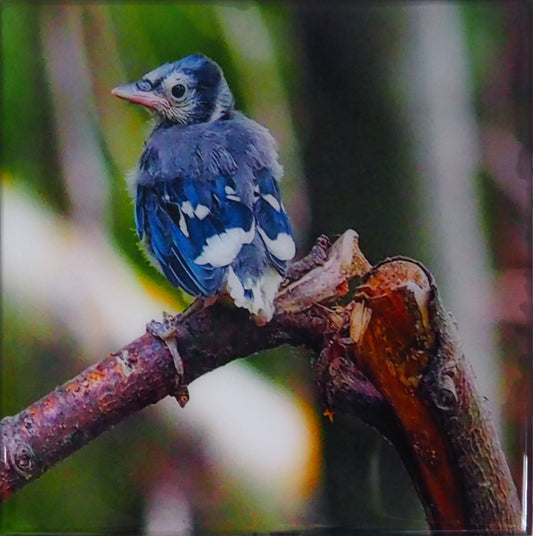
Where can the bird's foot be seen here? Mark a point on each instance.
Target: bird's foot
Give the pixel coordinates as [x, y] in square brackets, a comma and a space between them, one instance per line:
[199, 304]
[167, 331]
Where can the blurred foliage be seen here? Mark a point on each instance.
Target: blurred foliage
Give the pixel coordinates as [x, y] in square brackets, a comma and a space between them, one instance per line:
[337, 64]
[27, 152]
[485, 36]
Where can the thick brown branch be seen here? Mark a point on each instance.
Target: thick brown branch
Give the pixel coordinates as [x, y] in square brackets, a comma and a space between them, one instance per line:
[387, 353]
[398, 334]
[142, 373]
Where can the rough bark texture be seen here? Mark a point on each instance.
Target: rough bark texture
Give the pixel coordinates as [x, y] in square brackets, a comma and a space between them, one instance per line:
[386, 351]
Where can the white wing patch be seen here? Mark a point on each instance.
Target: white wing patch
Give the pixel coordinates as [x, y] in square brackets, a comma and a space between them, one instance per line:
[222, 249]
[183, 225]
[272, 201]
[201, 212]
[186, 208]
[282, 247]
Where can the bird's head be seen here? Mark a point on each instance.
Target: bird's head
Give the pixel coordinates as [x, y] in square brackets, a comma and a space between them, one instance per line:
[191, 90]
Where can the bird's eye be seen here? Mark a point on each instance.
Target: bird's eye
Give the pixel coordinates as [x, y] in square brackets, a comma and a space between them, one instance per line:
[178, 91]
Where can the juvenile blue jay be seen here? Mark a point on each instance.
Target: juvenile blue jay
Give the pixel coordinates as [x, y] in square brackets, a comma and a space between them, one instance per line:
[207, 205]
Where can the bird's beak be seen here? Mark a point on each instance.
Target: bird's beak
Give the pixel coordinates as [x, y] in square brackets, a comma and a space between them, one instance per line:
[132, 93]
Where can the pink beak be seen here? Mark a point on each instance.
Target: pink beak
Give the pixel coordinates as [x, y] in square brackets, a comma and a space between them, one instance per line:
[132, 93]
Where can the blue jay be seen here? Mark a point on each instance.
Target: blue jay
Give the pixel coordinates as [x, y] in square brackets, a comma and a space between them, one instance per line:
[208, 210]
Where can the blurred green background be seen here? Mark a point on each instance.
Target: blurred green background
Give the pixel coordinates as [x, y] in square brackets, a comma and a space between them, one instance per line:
[409, 122]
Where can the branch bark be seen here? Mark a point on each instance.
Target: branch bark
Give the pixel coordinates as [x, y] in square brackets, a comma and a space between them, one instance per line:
[387, 352]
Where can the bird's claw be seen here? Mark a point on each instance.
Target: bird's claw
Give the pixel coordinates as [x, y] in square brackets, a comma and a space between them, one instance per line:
[167, 331]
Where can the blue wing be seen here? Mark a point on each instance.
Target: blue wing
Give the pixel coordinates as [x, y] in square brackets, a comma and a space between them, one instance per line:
[273, 223]
[194, 228]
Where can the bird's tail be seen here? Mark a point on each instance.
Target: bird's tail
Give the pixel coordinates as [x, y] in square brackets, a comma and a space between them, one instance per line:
[255, 293]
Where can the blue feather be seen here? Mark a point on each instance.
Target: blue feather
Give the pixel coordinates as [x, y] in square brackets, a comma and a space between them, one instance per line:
[166, 214]
[272, 220]
[174, 251]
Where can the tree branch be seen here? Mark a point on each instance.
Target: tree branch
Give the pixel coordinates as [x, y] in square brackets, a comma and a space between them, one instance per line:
[387, 352]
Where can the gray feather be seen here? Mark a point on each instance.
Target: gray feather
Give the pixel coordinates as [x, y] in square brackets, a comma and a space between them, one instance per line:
[222, 146]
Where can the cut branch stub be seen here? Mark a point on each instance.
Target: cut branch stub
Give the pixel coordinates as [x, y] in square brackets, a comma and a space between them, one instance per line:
[327, 281]
[402, 343]
[393, 351]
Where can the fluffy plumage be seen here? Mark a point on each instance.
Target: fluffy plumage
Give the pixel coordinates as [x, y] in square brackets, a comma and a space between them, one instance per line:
[207, 204]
